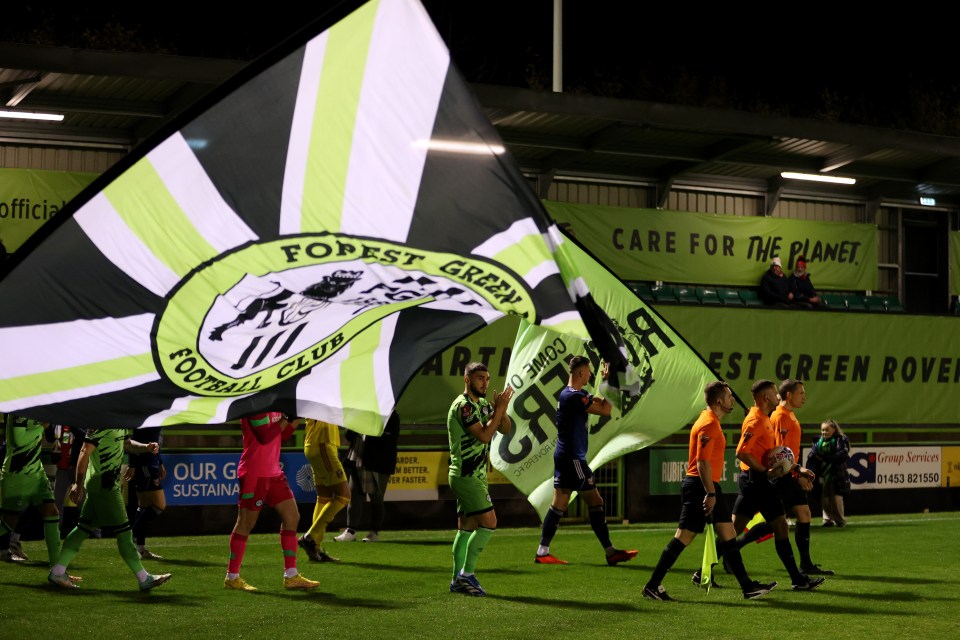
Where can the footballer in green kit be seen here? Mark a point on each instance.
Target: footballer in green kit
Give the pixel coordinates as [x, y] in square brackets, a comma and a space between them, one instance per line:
[98, 476]
[472, 423]
[24, 482]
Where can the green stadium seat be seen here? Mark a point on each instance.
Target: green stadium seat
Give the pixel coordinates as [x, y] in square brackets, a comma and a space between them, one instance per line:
[707, 295]
[643, 290]
[883, 303]
[687, 295]
[730, 297]
[855, 302]
[833, 301]
[893, 304]
[751, 298]
[664, 293]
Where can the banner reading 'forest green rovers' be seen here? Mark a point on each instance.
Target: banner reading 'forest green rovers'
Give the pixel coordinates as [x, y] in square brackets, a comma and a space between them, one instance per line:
[670, 394]
[955, 263]
[30, 198]
[699, 248]
[858, 368]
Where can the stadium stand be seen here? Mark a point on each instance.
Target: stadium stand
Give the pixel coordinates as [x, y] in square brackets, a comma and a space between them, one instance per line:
[749, 297]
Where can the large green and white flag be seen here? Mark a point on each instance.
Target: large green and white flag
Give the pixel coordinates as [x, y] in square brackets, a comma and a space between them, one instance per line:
[303, 240]
[671, 375]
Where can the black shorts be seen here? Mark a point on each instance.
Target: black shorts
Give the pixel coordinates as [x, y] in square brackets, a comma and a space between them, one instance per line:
[691, 509]
[790, 492]
[574, 475]
[147, 478]
[757, 495]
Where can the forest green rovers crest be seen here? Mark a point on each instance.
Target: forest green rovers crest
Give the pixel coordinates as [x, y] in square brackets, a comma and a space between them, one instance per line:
[268, 311]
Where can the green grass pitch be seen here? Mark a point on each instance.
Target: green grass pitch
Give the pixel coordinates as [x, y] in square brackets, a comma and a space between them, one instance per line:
[896, 578]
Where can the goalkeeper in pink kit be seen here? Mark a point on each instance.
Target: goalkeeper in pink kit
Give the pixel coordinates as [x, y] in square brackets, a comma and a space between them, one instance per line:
[262, 481]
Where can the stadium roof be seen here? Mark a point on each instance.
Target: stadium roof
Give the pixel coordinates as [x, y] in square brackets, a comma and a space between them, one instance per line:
[116, 100]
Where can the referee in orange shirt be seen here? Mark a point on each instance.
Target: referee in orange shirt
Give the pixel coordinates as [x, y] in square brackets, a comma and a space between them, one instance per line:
[756, 491]
[702, 498]
[793, 488]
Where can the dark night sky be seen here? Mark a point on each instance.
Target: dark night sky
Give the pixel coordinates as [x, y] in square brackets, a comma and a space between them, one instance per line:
[897, 71]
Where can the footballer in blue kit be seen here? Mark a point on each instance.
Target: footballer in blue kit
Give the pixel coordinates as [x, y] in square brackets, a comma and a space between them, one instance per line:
[147, 472]
[571, 471]
[570, 455]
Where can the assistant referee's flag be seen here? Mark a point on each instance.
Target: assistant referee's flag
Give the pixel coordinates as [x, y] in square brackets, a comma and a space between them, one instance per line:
[709, 557]
[303, 239]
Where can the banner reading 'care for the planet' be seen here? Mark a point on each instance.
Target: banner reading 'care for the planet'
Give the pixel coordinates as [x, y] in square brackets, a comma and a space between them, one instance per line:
[30, 198]
[700, 248]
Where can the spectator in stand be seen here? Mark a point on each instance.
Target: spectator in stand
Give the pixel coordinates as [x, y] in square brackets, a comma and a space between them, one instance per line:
[775, 287]
[802, 289]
